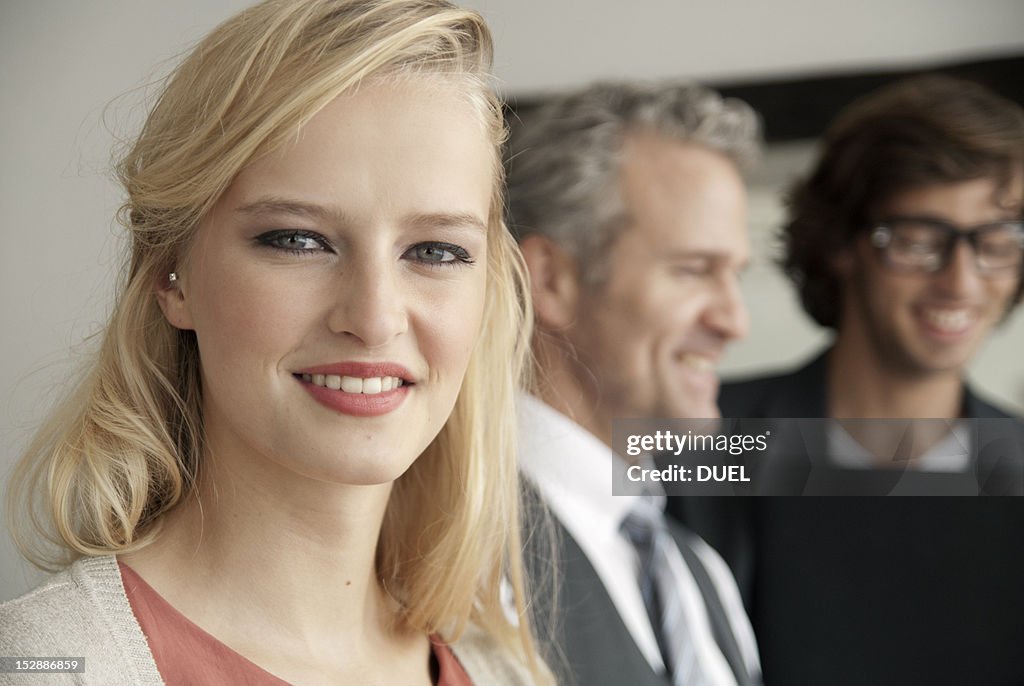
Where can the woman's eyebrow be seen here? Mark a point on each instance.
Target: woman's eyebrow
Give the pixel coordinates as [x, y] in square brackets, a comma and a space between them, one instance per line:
[446, 220]
[295, 207]
[442, 220]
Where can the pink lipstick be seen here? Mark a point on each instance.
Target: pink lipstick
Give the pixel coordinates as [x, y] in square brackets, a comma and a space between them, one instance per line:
[360, 389]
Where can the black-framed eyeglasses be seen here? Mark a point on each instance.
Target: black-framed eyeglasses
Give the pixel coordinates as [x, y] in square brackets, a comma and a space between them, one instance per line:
[923, 244]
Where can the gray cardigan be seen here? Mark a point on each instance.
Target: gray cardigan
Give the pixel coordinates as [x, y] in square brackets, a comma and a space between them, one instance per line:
[84, 612]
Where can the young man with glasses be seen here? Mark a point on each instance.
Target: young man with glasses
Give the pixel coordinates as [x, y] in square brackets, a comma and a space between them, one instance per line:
[906, 239]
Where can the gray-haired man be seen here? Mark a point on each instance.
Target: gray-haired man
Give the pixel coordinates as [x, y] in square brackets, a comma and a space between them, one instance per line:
[631, 212]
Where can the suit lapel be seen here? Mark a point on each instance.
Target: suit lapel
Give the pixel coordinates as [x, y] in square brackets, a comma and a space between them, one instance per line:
[589, 639]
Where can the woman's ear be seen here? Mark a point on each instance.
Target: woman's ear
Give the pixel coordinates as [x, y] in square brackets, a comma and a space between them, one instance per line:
[171, 297]
[554, 282]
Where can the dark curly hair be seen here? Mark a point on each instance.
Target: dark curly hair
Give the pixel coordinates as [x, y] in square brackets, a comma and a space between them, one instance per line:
[916, 132]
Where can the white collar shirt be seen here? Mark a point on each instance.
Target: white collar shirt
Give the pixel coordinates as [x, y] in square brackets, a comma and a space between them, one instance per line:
[950, 454]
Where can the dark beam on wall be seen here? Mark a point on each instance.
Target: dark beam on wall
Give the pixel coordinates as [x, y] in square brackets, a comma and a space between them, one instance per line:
[803, 107]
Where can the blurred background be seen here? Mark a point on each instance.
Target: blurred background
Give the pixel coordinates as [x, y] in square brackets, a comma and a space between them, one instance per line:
[73, 86]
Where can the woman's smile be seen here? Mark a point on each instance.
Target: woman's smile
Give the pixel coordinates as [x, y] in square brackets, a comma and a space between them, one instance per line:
[358, 388]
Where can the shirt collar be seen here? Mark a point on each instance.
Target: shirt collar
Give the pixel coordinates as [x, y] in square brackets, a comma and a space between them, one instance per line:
[571, 467]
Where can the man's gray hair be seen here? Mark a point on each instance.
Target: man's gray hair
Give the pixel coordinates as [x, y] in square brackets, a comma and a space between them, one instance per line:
[564, 159]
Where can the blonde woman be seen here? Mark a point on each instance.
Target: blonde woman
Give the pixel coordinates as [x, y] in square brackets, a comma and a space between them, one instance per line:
[293, 458]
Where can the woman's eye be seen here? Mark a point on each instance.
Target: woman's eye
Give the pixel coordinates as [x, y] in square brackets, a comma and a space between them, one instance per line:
[438, 254]
[293, 241]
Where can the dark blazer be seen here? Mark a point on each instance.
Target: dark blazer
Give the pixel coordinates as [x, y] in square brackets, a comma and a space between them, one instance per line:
[581, 633]
[870, 590]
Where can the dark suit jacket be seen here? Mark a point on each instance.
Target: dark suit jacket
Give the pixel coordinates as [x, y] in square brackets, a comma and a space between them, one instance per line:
[584, 638]
[870, 590]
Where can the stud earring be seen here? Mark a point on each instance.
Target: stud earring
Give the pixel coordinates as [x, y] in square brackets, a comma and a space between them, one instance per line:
[172, 277]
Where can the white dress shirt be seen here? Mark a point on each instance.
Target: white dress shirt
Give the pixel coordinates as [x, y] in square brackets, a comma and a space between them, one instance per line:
[952, 453]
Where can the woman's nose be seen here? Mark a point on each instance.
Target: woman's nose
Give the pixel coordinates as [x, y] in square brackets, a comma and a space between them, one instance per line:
[369, 304]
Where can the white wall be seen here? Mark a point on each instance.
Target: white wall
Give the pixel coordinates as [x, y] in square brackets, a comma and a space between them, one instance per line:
[65, 64]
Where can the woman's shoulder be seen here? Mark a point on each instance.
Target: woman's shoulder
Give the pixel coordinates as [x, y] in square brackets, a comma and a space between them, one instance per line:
[486, 661]
[80, 612]
[46, 616]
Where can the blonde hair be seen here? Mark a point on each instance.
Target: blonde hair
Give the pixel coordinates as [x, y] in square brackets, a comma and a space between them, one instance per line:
[125, 448]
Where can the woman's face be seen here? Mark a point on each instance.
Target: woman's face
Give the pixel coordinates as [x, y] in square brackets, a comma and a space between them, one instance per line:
[337, 288]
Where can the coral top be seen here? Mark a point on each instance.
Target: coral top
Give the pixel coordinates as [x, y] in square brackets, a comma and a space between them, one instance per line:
[185, 654]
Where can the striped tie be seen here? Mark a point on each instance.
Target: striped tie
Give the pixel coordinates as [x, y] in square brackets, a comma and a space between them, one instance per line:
[665, 568]
[660, 592]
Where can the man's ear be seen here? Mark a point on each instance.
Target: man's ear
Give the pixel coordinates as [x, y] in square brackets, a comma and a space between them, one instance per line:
[171, 297]
[554, 282]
